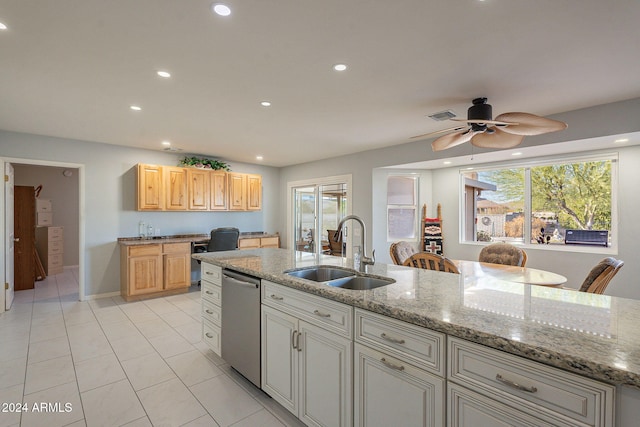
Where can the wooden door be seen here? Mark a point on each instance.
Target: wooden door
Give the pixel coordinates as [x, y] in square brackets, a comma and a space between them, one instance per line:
[150, 187]
[237, 191]
[175, 188]
[218, 191]
[9, 251]
[198, 189]
[24, 225]
[254, 192]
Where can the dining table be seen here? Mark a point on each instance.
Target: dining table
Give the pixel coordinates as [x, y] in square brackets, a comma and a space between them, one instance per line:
[510, 273]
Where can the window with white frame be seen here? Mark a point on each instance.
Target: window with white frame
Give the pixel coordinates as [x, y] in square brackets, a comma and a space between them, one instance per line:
[402, 208]
[541, 203]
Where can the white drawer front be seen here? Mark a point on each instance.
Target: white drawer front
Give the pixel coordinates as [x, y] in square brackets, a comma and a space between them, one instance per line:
[211, 292]
[211, 335]
[211, 273]
[529, 385]
[419, 346]
[211, 312]
[331, 315]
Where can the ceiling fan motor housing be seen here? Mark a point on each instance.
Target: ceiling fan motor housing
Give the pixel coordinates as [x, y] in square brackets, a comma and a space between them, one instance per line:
[479, 111]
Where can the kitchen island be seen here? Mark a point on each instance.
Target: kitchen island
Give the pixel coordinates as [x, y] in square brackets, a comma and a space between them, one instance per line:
[594, 336]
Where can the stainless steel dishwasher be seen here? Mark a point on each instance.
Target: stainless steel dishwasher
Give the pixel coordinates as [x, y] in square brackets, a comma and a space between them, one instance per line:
[241, 323]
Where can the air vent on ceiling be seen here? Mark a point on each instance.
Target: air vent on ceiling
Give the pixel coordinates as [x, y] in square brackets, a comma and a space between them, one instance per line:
[442, 115]
[172, 149]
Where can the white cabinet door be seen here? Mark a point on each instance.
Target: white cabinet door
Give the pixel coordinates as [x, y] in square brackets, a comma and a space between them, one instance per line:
[325, 377]
[279, 357]
[390, 392]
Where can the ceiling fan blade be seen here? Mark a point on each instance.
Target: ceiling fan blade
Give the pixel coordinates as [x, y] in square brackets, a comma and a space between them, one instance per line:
[488, 122]
[497, 139]
[530, 124]
[452, 139]
[457, 128]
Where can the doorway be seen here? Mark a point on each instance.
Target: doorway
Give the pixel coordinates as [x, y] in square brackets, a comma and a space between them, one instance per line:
[315, 207]
[56, 179]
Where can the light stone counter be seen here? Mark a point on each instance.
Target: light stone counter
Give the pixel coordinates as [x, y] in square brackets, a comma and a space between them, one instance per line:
[596, 336]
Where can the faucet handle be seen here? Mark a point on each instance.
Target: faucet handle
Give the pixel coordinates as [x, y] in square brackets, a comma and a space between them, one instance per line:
[373, 256]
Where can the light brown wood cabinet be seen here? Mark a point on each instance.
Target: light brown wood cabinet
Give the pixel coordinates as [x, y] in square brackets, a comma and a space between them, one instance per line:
[154, 269]
[254, 192]
[218, 200]
[237, 191]
[150, 187]
[259, 242]
[169, 188]
[175, 188]
[198, 189]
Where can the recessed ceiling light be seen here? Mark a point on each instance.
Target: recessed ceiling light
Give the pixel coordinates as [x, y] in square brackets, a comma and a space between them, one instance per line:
[135, 107]
[221, 9]
[166, 143]
[622, 140]
[2, 26]
[340, 67]
[259, 157]
[518, 153]
[447, 162]
[164, 74]
[265, 104]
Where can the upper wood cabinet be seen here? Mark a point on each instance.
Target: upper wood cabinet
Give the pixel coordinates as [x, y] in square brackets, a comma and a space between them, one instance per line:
[170, 188]
[254, 192]
[150, 187]
[218, 200]
[198, 188]
[237, 191]
[175, 188]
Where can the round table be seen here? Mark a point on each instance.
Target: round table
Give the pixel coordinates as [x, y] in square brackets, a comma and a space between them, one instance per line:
[530, 276]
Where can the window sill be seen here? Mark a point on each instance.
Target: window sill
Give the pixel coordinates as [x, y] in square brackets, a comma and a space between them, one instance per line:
[612, 250]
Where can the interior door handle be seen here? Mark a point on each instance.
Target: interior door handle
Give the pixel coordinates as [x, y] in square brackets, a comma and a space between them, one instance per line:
[16, 239]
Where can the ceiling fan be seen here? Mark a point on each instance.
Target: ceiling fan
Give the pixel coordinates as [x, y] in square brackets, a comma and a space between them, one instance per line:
[506, 131]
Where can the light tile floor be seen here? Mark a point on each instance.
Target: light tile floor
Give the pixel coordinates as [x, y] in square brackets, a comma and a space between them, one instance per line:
[106, 362]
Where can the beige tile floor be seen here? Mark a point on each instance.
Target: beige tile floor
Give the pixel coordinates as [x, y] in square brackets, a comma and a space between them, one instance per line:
[106, 362]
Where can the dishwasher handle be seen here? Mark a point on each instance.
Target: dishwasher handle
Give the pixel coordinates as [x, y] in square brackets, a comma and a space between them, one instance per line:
[236, 282]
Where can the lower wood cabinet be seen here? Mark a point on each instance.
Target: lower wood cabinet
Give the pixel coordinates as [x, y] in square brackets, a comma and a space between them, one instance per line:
[259, 242]
[154, 269]
[306, 368]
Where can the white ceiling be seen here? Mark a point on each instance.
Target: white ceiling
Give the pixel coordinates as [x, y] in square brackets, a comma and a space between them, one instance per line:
[72, 68]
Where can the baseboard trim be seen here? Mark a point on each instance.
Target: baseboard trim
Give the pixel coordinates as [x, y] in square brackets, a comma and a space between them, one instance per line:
[105, 295]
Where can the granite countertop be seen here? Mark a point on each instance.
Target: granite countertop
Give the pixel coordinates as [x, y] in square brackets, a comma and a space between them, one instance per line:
[596, 336]
[178, 238]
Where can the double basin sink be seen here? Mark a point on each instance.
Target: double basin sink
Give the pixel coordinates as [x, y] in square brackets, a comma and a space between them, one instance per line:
[340, 278]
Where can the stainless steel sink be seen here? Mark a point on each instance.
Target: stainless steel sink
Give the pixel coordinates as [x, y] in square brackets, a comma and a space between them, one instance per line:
[340, 278]
[321, 274]
[360, 283]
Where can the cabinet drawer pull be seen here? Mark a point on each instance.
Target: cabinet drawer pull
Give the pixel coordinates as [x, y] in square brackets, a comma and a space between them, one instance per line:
[276, 297]
[208, 292]
[293, 339]
[321, 314]
[208, 335]
[515, 385]
[209, 273]
[298, 346]
[388, 364]
[208, 311]
[391, 339]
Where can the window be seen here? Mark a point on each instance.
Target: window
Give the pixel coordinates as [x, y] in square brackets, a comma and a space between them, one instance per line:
[402, 208]
[541, 202]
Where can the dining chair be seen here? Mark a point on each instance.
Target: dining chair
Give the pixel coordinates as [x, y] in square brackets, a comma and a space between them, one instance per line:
[400, 251]
[503, 253]
[600, 275]
[335, 242]
[431, 261]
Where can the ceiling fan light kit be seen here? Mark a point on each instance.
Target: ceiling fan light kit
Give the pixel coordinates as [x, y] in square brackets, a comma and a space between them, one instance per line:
[505, 131]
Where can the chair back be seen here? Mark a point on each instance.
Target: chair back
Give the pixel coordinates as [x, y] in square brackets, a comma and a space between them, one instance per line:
[431, 261]
[335, 242]
[503, 253]
[223, 239]
[400, 251]
[600, 275]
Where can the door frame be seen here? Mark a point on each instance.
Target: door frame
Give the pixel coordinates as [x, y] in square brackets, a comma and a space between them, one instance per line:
[337, 179]
[81, 217]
